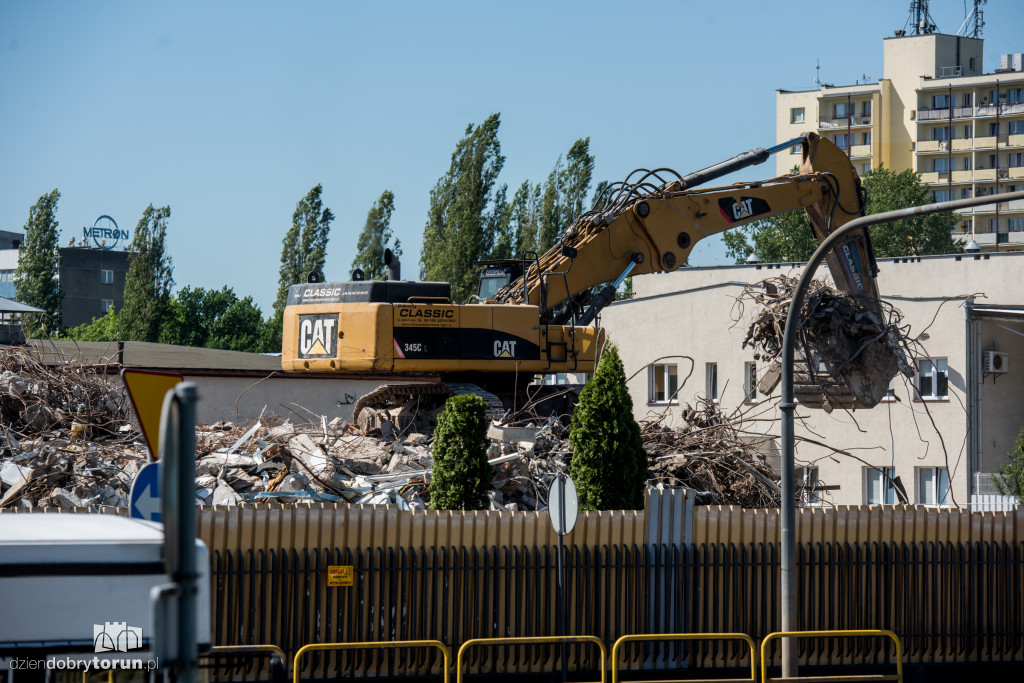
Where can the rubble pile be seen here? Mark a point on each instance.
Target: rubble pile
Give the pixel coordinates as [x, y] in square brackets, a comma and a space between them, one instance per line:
[66, 439]
[855, 344]
[713, 456]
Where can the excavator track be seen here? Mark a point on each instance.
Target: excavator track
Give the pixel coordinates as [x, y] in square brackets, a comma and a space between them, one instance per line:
[370, 411]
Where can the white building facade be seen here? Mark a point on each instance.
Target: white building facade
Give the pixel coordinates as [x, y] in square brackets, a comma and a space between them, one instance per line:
[942, 433]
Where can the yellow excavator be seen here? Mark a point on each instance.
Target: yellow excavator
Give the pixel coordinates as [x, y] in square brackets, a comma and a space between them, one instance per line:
[534, 316]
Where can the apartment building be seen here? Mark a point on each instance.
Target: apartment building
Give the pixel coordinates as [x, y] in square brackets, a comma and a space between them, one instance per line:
[933, 111]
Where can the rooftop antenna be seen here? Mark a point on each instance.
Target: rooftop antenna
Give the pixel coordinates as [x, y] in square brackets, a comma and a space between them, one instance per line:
[973, 30]
[920, 20]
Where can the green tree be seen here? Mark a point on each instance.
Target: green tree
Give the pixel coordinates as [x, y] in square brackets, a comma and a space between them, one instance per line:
[462, 475]
[303, 250]
[788, 237]
[35, 279]
[103, 329]
[214, 319]
[374, 238]
[565, 193]
[1010, 476]
[461, 208]
[147, 286]
[609, 464]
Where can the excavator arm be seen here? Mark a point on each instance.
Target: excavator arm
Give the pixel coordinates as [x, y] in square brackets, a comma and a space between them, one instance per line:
[652, 225]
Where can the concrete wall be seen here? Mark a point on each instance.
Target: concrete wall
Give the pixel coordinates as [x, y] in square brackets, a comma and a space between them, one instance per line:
[691, 317]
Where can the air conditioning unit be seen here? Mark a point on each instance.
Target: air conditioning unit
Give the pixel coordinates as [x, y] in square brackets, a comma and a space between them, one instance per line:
[996, 361]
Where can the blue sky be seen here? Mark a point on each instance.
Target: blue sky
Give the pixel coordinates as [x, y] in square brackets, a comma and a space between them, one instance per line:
[230, 112]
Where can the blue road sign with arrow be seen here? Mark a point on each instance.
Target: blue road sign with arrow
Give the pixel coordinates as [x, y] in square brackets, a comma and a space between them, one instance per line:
[145, 495]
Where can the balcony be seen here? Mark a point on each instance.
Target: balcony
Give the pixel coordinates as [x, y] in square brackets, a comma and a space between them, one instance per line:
[926, 114]
[962, 144]
[1004, 108]
[931, 146]
[860, 151]
[981, 143]
[1015, 172]
[929, 178]
[985, 239]
[1015, 140]
[963, 176]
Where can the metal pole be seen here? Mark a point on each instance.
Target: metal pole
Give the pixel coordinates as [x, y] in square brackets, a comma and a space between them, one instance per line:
[185, 575]
[561, 569]
[787, 405]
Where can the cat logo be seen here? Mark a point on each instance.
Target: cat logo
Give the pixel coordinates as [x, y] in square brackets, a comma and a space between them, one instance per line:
[504, 349]
[317, 337]
[734, 210]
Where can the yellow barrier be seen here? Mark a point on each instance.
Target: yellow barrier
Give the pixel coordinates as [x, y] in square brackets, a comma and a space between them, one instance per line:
[383, 645]
[833, 634]
[686, 636]
[525, 641]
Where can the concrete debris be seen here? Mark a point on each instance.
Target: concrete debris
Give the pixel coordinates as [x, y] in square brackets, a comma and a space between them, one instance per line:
[848, 348]
[274, 461]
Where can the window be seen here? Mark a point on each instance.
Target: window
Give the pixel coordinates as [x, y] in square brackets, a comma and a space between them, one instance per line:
[750, 382]
[711, 380]
[1015, 224]
[973, 65]
[933, 378]
[843, 141]
[968, 132]
[943, 164]
[878, 489]
[993, 129]
[968, 163]
[965, 192]
[1016, 159]
[940, 195]
[107, 277]
[1015, 95]
[7, 275]
[933, 486]
[941, 133]
[940, 101]
[865, 139]
[867, 108]
[663, 383]
[968, 97]
[107, 304]
[1016, 127]
[840, 110]
[993, 161]
[808, 484]
[796, 115]
[796, 149]
[865, 168]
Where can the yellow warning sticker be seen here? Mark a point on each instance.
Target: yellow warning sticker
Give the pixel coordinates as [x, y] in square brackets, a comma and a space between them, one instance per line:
[340, 575]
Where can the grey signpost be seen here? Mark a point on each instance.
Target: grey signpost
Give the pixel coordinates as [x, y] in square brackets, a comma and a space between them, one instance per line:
[563, 509]
[787, 405]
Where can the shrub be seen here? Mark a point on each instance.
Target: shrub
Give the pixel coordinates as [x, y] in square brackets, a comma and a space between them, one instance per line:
[1010, 477]
[461, 476]
[609, 464]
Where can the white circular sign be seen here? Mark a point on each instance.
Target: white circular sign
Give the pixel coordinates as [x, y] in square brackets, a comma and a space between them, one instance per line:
[563, 505]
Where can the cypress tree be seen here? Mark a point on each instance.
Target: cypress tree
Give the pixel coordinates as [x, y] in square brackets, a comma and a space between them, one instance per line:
[147, 285]
[609, 464]
[461, 476]
[35, 279]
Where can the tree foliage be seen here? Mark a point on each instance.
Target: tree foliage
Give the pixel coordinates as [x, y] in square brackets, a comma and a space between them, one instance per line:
[303, 250]
[102, 329]
[461, 210]
[214, 319]
[788, 237]
[462, 475]
[374, 238]
[147, 286]
[35, 279]
[1010, 476]
[565, 192]
[609, 464]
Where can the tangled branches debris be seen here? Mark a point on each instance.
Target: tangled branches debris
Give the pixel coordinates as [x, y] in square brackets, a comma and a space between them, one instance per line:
[855, 345]
[714, 456]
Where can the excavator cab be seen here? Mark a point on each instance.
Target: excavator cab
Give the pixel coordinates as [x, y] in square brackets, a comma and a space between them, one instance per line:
[496, 274]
